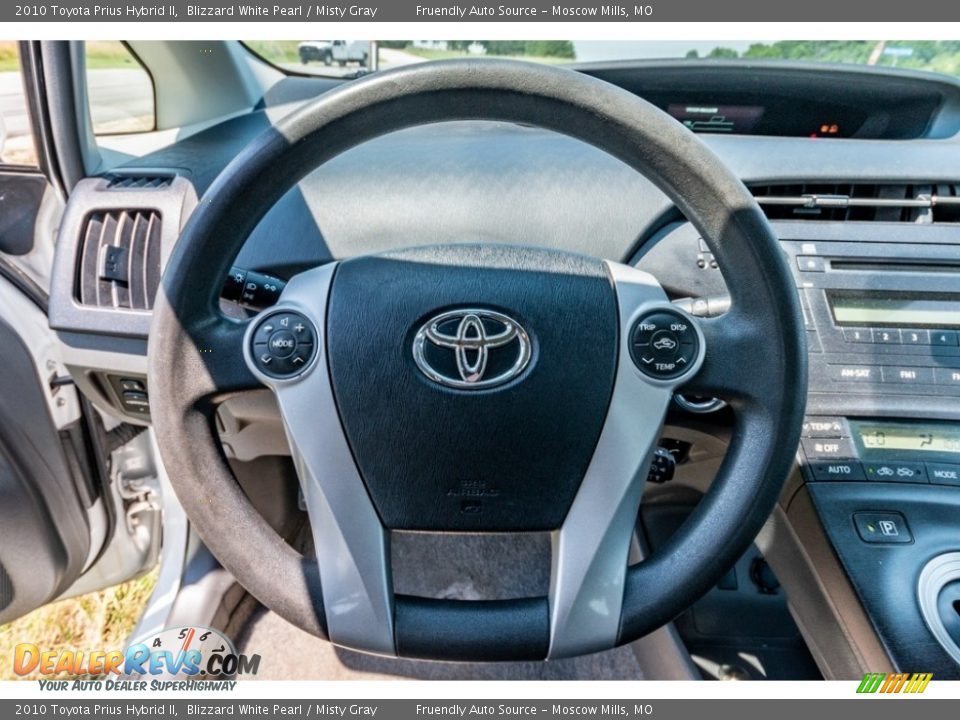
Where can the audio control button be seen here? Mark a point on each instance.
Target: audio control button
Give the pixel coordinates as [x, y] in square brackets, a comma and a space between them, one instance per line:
[283, 344]
[915, 337]
[810, 263]
[858, 335]
[943, 338]
[886, 337]
[855, 373]
[907, 375]
[948, 376]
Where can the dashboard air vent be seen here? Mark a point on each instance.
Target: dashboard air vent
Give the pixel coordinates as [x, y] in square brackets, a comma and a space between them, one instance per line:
[119, 259]
[138, 182]
[919, 203]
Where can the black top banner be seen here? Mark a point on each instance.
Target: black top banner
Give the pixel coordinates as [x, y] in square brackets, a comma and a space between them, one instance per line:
[646, 11]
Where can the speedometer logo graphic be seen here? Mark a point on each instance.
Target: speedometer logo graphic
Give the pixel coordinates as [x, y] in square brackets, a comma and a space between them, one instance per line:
[187, 651]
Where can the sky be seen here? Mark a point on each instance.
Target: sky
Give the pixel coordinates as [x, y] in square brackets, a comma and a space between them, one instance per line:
[591, 50]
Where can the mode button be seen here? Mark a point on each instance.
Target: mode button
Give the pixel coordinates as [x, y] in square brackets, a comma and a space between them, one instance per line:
[943, 473]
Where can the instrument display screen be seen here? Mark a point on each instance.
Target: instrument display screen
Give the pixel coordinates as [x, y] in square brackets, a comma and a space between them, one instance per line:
[709, 118]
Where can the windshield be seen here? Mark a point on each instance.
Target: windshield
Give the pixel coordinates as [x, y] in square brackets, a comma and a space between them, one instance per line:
[349, 57]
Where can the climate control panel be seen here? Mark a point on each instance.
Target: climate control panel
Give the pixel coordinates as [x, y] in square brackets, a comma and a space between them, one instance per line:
[869, 450]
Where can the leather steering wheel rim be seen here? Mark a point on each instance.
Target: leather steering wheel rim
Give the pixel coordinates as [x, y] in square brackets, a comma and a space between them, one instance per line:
[754, 357]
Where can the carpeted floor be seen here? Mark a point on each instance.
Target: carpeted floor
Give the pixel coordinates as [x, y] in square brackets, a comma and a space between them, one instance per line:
[468, 567]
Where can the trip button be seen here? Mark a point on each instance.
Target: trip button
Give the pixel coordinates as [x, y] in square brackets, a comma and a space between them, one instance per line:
[837, 470]
[896, 471]
[943, 473]
[882, 527]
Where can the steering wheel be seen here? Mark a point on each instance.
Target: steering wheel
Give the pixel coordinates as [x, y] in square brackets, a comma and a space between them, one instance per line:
[478, 388]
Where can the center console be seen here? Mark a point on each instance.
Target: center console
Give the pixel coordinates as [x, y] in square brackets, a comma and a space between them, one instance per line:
[880, 451]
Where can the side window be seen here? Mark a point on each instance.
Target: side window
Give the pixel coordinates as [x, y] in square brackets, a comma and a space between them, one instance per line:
[120, 91]
[16, 135]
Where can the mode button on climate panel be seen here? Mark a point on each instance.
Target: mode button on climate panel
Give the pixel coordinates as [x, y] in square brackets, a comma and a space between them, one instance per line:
[943, 473]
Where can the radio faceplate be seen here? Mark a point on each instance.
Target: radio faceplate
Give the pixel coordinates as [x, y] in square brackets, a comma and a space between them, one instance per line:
[882, 320]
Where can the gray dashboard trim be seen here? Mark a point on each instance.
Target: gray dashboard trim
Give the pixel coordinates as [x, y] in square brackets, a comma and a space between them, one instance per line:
[174, 203]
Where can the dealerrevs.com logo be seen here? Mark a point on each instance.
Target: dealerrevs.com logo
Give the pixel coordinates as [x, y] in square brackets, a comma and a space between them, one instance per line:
[174, 658]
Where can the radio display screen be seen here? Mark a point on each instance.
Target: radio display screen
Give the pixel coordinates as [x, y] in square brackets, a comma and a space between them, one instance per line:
[894, 309]
[921, 438]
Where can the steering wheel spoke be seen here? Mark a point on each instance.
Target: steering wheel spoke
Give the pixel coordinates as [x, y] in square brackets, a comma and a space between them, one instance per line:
[352, 544]
[730, 369]
[590, 550]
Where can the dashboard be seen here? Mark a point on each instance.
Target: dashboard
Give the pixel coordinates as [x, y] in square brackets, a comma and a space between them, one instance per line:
[857, 169]
[793, 99]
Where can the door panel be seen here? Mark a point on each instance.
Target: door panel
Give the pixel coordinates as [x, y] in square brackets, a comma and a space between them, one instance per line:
[44, 536]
